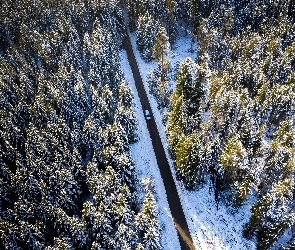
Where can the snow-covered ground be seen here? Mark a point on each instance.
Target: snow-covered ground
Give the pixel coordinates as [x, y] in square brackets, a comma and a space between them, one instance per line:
[146, 166]
[210, 228]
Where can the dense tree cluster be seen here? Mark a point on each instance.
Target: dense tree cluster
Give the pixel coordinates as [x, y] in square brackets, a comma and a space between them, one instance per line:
[67, 180]
[231, 117]
[147, 17]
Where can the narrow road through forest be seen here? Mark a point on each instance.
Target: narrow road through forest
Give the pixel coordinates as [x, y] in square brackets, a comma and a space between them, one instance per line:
[171, 191]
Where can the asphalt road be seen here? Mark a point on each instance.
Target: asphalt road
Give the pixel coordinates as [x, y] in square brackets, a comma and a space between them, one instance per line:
[171, 191]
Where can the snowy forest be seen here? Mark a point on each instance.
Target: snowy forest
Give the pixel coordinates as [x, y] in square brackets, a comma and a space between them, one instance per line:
[67, 178]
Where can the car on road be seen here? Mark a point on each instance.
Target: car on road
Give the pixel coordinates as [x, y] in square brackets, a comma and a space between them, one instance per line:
[147, 115]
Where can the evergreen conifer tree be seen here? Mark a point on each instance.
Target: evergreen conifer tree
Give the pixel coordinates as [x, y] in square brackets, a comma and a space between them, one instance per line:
[160, 50]
[146, 35]
[147, 224]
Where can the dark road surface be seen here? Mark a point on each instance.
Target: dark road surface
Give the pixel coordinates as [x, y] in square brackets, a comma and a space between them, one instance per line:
[171, 191]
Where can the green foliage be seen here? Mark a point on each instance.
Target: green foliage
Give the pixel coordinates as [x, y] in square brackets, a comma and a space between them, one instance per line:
[189, 153]
[186, 170]
[270, 215]
[243, 190]
[233, 155]
[176, 120]
[285, 134]
[191, 84]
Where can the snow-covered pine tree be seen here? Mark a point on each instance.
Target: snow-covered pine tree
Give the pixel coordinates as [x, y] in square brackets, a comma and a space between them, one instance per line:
[126, 234]
[124, 114]
[187, 161]
[191, 85]
[147, 223]
[159, 87]
[271, 215]
[161, 49]
[176, 123]
[82, 97]
[146, 33]
[170, 6]
[234, 159]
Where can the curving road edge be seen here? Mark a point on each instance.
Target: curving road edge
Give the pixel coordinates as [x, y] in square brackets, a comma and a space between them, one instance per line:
[171, 191]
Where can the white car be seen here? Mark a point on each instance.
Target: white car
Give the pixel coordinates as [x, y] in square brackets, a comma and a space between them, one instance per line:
[147, 115]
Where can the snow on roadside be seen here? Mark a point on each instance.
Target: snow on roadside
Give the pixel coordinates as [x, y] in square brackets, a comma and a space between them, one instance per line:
[210, 228]
[146, 166]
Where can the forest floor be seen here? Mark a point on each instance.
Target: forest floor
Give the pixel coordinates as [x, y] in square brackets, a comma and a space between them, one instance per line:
[210, 228]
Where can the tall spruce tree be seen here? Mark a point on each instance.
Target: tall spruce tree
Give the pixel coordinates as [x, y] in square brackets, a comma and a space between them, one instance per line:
[160, 50]
[146, 33]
